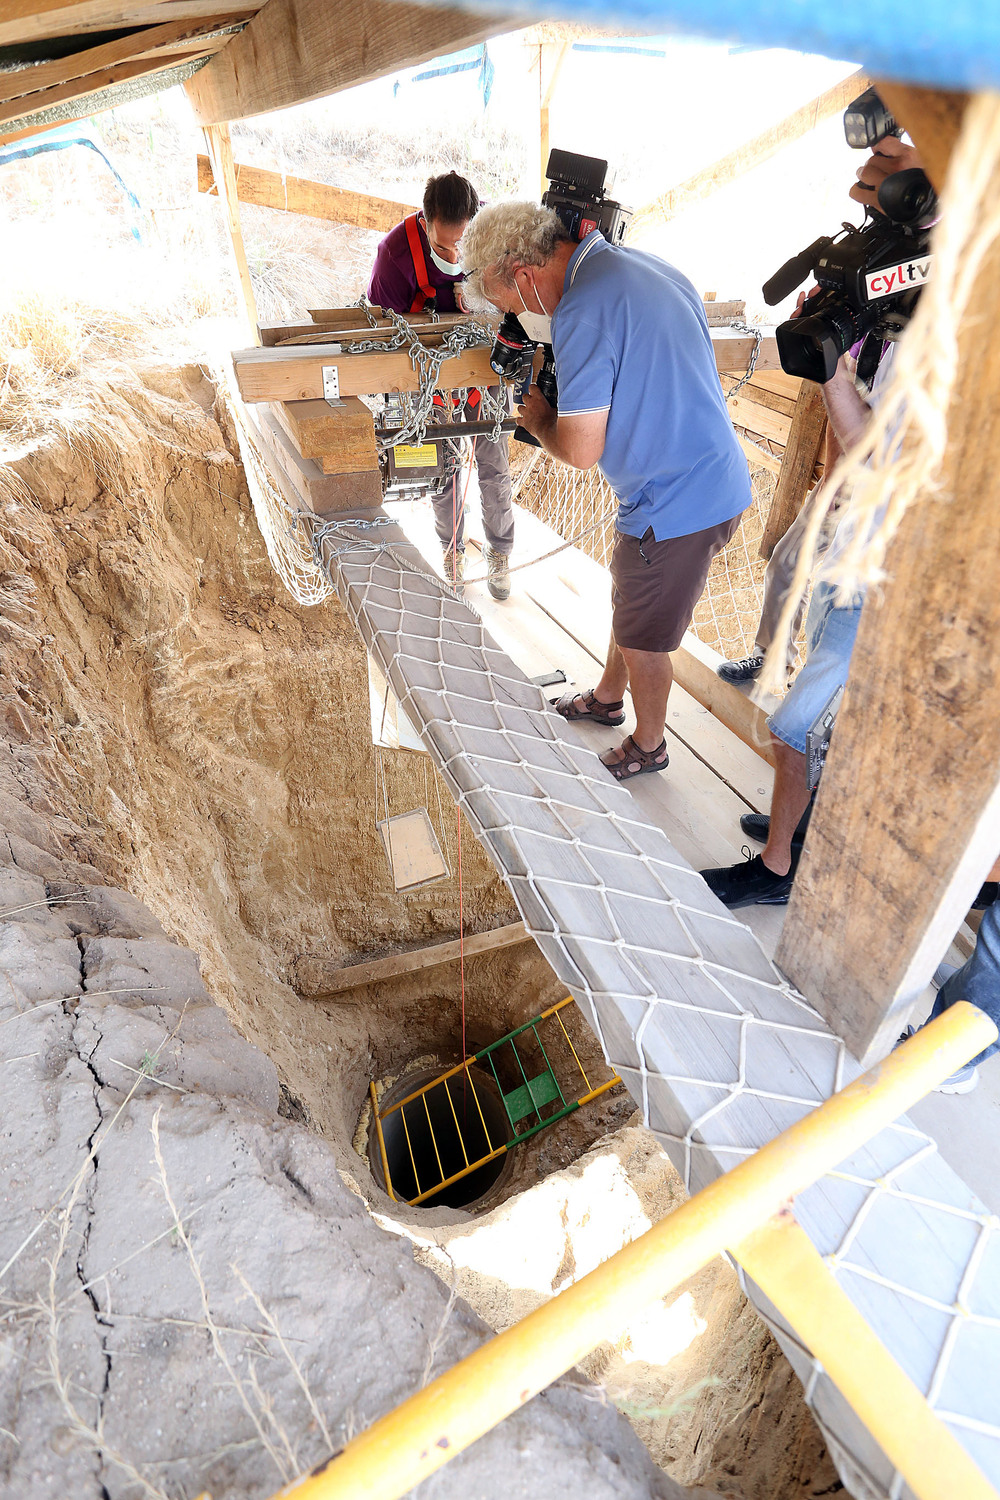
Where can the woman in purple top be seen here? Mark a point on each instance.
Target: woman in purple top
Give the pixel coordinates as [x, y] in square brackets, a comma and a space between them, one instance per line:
[416, 269]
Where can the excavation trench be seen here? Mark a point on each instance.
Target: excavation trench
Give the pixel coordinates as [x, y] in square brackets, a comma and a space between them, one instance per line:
[204, 742]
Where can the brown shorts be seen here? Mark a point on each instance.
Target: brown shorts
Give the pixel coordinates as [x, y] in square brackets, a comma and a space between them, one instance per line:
[656, 585]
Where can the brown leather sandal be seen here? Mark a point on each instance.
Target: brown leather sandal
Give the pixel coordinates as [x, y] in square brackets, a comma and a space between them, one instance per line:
[610, 714]
[635, 761]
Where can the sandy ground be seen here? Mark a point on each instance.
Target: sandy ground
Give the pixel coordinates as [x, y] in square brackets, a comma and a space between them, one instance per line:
[207, 742]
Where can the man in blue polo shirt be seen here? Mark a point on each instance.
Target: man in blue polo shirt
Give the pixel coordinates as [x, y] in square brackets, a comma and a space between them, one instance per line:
[639, 394]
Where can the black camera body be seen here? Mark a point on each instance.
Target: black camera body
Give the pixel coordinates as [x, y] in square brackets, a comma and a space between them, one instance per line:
[869, 278]
[513, 358]
[576, 193]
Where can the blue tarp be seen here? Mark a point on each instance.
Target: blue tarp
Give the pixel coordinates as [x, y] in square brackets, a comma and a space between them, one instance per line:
[945, 43]
[58, 140]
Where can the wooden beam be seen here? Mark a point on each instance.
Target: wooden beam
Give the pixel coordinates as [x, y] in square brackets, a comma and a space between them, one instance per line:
[907, 821]
[302, 481]
[296, 373]
[551, 56]
[28, 21]
[220, 151]
[322, 977]
[749, 155]
[315, 200]
[296, 50]
[802, 453]
[27, 82]
[757, 417]
[341, 439]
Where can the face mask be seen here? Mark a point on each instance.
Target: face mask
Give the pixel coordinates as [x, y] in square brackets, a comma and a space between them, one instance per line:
[537, 326]
[446, 267]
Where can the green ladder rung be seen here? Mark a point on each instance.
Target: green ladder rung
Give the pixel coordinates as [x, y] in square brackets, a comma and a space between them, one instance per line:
[530, 1097]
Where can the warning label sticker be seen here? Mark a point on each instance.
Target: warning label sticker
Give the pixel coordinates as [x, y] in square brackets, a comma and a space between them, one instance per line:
[408, 457]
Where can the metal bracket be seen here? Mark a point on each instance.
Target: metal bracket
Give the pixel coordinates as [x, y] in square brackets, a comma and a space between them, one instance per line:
[331, 383]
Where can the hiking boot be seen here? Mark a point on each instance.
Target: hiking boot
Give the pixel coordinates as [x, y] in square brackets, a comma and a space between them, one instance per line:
[454, 568]
[749, 884]
[745, 670]
[498, 573]
[962, 1081]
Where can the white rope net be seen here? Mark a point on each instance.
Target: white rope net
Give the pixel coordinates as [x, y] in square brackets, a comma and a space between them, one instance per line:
[716, 1047]
[726, 616]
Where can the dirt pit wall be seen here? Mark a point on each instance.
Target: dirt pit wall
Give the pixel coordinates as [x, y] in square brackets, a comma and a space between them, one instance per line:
[178, 726]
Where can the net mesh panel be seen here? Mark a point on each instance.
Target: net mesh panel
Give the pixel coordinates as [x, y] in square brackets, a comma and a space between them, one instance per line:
[571, 500]
[718, 1050]
[715, 1046]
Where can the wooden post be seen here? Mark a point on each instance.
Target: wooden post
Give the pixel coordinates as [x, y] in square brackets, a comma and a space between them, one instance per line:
[907, 822]
[802, 451]
[220, 152]
[551, 56]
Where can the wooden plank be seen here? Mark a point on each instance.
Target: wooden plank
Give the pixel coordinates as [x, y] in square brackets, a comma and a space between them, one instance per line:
[220, 150]
[759, 149]
[761, 395]
[695, 669]
[802, 453]
[757, 418]
[26, 21]
[776, 380]
[907, 821]
[340, 438]
[315, 200]
[719, 313]
[297, 374]
[348, 324]
[551, 56]
[94, 83]
[27, 82]
[302, 481]
[733, 351]
[296, 50]
[321, 976]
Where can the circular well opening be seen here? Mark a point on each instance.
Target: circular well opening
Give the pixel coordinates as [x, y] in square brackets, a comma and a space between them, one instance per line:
[424, 1139]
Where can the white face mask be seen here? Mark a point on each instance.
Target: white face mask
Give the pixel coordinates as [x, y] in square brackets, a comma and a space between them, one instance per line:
[537, 326]
[446, 267]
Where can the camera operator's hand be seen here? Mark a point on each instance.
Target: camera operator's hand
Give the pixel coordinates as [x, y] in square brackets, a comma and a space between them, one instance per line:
[891, 155]
[536, 415]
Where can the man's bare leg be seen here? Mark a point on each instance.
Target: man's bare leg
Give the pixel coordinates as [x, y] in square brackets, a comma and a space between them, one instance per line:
[614, 678]
[788, 802]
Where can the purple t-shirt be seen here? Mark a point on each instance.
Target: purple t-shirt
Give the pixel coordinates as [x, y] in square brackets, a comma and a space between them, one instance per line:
[394, 280]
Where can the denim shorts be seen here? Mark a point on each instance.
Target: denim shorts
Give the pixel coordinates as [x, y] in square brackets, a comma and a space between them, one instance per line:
[831, 632]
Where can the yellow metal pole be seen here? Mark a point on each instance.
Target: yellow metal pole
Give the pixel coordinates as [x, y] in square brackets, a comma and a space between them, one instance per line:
[408, 1444]
[381, 1142]
[781, 1259]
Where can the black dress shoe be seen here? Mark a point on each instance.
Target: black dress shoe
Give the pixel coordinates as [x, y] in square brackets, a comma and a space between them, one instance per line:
[745, 670]
[749, 884]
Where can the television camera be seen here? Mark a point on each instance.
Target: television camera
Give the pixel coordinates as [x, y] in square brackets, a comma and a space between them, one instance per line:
[869, 278]
[577, 193]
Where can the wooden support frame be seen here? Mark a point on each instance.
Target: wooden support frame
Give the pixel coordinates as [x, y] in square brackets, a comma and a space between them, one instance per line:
[323, 977]
[749, 155]
[806, 437]
[27, 20]
[316, 200]
[220, 151]
[907, 821]
[297, 50]
[551, 56]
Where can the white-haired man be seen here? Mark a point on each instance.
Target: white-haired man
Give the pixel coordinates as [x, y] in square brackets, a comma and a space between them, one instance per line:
[639, 394]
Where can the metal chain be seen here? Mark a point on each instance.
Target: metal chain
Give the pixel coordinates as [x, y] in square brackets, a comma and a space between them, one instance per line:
[739, 327]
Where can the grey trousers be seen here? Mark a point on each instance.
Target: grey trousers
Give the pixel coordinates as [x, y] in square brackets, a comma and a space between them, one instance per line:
[494, 488]
[778, 579]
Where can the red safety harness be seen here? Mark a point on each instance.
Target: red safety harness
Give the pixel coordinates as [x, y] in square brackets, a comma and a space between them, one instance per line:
[425, 292]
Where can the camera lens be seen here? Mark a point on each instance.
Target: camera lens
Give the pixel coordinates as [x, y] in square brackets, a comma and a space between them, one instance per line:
[512, 348]
[810, 347]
